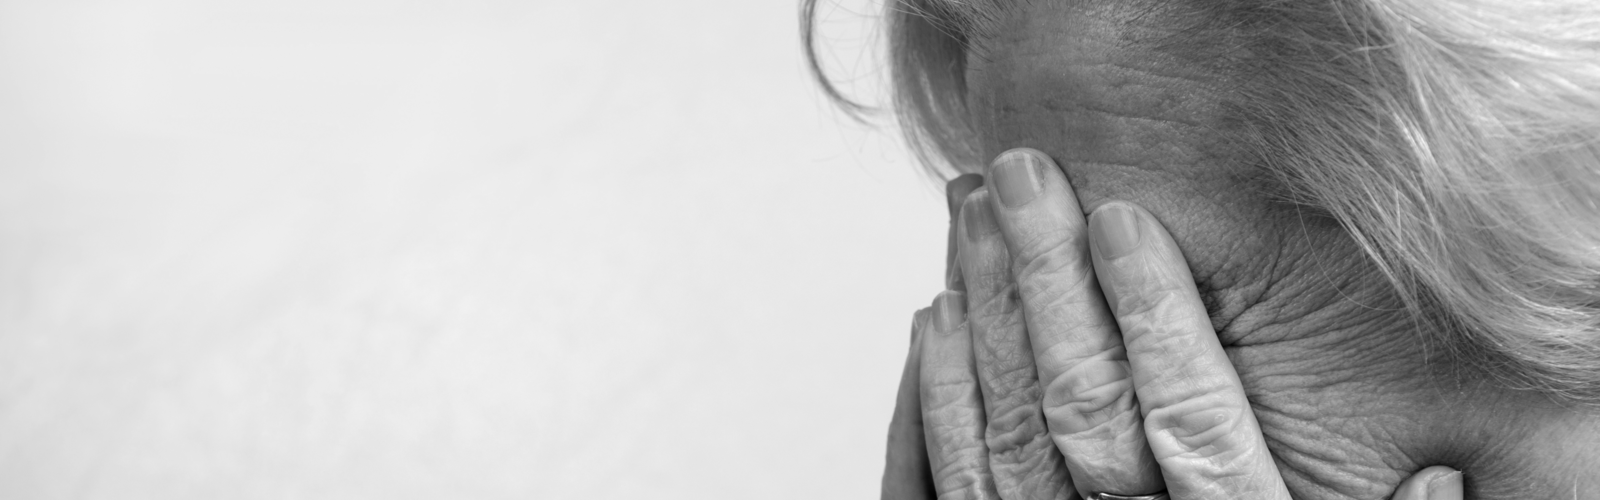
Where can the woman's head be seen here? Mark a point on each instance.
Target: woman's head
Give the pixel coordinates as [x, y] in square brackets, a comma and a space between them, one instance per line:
[1447, 153]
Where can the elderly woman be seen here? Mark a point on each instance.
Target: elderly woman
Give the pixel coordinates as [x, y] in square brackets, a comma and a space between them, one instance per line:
[1328, 243]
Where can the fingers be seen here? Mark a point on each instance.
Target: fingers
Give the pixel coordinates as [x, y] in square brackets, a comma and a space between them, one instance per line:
[1433, 483]
[955, 192]
[1088, 396]
[1022, 457]
[952, 408]
[1196, 418]
[905, 474]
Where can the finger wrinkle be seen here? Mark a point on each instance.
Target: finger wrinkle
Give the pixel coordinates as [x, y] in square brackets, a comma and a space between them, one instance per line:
[1075, 346]
[1151, 337]
[1077, 404]
[988, 261]
[1114, 436]
[1039, 241]
[1074, 351]
[1042, 484]
[1097, 394]
[1053, 270]
[1207, 427]
[1178, 390]
[1027, 448]
[948, 391]
[964, 481]
[1010, 420]
[1207, 482]
[1172, 353]
[1079, 351]
[1067, 288]
[962, 473]
[1075, 312]
[986, 277]
[1037, 480]
[951, 415]
[1138, 302]
[1176, 384]
[1002, 332]
[1012, 385]
[1002, 307]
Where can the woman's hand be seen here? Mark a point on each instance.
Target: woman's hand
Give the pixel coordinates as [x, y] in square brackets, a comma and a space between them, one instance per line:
[1074, 356]
[906, 473]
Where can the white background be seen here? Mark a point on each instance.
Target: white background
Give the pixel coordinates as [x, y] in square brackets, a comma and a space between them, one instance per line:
[447, 249]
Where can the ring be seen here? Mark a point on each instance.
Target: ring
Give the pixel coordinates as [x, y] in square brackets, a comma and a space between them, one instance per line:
[1159, 495]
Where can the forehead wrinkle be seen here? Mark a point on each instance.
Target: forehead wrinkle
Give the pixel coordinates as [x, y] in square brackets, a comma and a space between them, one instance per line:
[1118, 102]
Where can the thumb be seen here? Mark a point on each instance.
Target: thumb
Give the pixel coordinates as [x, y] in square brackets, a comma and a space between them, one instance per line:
[1433, 483]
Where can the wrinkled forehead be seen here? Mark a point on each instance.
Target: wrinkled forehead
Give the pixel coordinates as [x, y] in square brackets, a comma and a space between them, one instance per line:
[1189, 28]
[1179, 67]
[1142, 84]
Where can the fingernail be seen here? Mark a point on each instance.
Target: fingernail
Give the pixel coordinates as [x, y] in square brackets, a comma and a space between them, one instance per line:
[950, 309]
[957, 189]
[1017, 178]
[1115, 229]
[978, 216]
[1447, 487]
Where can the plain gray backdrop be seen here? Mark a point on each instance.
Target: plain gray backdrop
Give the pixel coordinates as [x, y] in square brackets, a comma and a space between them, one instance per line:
[447, 249]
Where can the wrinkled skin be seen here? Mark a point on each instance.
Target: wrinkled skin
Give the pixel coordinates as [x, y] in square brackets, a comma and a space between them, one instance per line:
[1024, 301]
[1349, 400]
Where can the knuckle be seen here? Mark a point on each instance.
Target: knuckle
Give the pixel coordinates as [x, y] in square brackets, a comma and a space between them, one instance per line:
[1086, 399]
[1208, 428]
[1010, 428]
[1051, 253]
[1021, 444]
[1033, 471]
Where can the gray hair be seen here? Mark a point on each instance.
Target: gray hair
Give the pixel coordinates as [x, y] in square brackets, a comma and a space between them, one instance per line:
[1457, 142]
